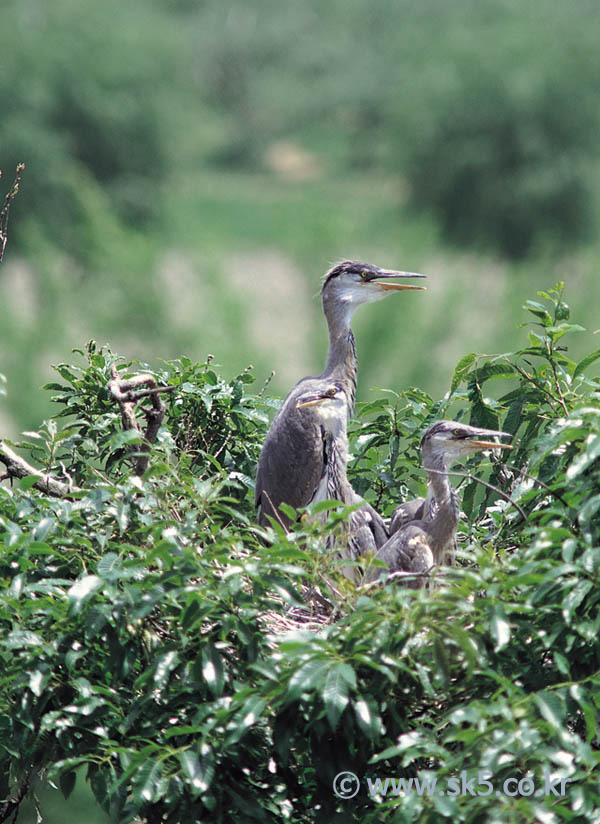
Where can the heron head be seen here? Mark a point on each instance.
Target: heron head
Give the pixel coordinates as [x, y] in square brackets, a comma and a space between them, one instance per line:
[452, 440]
[327, 401]
[353, 282]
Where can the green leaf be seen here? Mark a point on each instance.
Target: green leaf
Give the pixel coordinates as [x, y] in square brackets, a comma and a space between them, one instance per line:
[147, 783]
[28, 482]
[212, 670]
[368, 721]
[82, 591]
[164, 667]
[499, 626]
[109, 566]
[124, 438]
[67, 782]
[310, 675]
[551, 707]
[335, 693]
[585, 362]
[586, 459]
[539, 310]
[199, 774]
[461, 370]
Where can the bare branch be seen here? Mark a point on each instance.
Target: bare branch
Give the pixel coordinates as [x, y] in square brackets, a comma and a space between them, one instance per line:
[17, 467]
[126, 393]
[6, 207]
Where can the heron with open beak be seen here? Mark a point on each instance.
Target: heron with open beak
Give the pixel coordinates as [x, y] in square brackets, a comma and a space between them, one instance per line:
[291, 462]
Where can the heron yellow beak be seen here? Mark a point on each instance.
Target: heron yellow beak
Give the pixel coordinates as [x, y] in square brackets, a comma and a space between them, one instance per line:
[396, 287]
[490, 445]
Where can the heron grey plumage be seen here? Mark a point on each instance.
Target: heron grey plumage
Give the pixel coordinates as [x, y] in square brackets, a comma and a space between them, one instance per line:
[291, 460]
[366, 531]
[422, 543]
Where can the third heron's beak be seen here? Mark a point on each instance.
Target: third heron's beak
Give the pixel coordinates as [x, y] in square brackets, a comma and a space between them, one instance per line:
[393, 287]
[487, 444]
[490, 445]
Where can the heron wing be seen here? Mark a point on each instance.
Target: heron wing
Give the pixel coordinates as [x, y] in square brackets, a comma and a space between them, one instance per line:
[291, 463]
[405, 513]
[368, 517]
[408, 550]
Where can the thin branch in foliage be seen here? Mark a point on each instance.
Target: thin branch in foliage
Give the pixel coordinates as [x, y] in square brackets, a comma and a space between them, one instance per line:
[556, 381]
[404, 575]
[549, 489]
[6, 207]
[17, 467]
[266, 383]
[275, 512]
[467, 476]
[531, 379]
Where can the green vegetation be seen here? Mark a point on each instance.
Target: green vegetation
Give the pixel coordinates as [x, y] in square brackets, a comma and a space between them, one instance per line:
[192, 169]
[159, 643]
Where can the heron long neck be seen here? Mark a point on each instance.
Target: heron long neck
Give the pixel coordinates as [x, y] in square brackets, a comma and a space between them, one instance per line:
[342, 363]
[443, 525]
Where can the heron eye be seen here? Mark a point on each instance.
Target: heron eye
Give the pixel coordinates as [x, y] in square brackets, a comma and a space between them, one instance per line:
[459, 433]
[364, 274]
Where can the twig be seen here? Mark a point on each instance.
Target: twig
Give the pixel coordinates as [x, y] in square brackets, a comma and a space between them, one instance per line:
[6, 207]
[266, 383]
[561, 397]
[126, 393]
[531, 379]
[276, 514]
[467, 476]
[17, 467]
[398, 574]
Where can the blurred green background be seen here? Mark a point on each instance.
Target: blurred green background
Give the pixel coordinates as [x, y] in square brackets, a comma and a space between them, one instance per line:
[194, 167]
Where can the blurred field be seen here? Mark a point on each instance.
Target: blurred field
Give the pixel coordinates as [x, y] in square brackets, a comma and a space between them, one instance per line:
[235, 272]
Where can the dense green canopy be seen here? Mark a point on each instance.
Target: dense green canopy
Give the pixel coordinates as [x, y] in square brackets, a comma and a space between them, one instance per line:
[154, 640]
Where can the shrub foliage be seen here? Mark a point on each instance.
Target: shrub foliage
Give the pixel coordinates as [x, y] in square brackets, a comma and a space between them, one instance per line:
[142, 619]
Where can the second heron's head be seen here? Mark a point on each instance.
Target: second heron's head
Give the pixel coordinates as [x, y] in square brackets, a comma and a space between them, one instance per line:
[328, 402]
[353, 282]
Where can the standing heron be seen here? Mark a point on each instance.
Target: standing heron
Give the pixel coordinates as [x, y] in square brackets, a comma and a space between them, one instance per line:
[326, 408]
[291, 461]
[422, 543]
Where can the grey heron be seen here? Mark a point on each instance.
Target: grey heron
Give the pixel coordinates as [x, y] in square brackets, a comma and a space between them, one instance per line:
[422, 543]
[291, 460]
[326, 406]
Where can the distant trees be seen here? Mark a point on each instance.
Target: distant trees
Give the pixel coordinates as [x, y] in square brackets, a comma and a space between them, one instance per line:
[486, 111]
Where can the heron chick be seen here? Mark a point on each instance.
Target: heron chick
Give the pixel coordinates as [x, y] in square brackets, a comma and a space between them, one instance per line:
[422, 543]
[326, 406]
[291, 460]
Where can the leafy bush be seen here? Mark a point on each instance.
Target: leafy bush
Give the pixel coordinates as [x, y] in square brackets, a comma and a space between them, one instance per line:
[142, 618]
